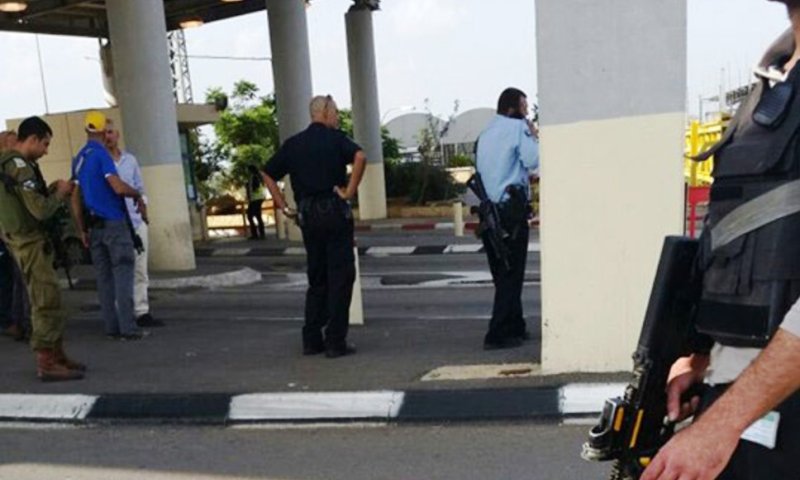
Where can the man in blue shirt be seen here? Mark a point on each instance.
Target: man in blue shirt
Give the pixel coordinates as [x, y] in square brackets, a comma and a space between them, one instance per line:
[507, 152]
[99, 198]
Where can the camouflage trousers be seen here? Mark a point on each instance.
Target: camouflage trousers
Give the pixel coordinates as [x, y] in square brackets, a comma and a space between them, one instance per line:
[35, 260]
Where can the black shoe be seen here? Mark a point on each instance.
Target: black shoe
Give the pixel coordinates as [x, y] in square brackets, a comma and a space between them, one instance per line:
[340, 351]
[511, 342]
[147, 320]
[132, 337]
[525, 336]
[313, 349]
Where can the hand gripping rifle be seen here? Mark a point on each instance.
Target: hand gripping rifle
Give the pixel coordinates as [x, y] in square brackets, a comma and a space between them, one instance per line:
[490, 225]
[633, 428]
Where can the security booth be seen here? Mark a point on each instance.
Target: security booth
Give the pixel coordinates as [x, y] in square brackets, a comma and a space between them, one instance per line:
[69, 137]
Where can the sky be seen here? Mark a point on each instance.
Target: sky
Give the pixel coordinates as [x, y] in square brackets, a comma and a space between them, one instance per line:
[442, 50]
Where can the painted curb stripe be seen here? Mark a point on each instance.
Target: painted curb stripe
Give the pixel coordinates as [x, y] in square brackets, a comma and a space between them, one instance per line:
[468, 248]
[373, 251]
[587, 398]
[432, 405]
[316, 406]
[397, 406]
[46, 407]
[205, 407]
[429, 250]
[390, 250]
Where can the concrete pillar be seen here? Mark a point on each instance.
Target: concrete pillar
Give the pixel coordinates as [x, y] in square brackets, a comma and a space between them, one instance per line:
[144, 90]
[612, 126]
[291, 69]
[366, 111]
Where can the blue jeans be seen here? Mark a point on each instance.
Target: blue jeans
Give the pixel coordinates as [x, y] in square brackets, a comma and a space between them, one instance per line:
[113, 258]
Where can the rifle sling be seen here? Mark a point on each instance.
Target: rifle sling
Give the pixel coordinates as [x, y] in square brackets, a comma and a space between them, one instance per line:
[778, 203]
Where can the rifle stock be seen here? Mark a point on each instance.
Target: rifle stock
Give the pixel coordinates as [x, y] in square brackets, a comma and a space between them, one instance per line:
[632, 428]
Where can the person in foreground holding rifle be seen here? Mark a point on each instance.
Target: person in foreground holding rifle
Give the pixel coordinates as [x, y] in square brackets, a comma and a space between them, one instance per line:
[507, 151]
[747, 424]
[632, 428]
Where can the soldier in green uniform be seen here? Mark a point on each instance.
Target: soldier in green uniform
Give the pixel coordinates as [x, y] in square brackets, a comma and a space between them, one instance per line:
[25, 204]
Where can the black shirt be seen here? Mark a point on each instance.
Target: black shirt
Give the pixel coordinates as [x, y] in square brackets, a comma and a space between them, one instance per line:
[316, 159]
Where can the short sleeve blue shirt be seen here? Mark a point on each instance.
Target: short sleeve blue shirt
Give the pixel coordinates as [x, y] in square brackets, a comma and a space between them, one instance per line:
[91, 169]
[507, 153]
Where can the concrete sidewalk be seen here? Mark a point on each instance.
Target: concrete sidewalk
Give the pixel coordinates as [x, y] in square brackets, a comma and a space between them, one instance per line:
[210, 366]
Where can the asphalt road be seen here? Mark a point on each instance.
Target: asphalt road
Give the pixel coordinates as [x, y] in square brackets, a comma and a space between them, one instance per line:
[481, 452]
[427, 287]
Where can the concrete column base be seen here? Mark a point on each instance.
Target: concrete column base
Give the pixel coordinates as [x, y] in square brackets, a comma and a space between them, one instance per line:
[372, 193]
[171, 246]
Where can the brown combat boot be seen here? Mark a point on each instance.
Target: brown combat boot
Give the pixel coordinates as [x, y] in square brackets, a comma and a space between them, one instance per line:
[63, 359]
[49, 370]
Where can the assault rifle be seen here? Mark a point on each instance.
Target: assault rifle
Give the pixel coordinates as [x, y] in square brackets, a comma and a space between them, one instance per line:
[54, 228]
[490, 225]
[633, 428]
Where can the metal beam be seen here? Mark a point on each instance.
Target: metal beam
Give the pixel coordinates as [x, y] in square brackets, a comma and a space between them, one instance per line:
[216, 11]
[45, 7]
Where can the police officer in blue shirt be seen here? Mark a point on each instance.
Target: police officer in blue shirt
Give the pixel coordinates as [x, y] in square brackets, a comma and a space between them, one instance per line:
[316, 159]
[507, 152]
[100, 192]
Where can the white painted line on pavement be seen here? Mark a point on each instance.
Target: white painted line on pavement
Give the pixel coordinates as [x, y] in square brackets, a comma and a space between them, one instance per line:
[230, 252]
[383, 251]
[310, 406]
[577, 398]
[444, 226]
[50, 407]
[295, 251]
[534, 247]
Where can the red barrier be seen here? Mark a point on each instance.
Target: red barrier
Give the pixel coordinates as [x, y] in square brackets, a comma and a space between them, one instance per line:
[695, 196]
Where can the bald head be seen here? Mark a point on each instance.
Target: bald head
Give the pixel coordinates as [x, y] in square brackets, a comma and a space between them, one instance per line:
[323, 110]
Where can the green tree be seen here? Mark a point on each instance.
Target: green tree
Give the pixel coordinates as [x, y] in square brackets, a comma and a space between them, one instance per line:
[246, 134]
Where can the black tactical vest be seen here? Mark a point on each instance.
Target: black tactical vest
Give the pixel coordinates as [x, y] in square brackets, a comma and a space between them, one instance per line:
[750, 282]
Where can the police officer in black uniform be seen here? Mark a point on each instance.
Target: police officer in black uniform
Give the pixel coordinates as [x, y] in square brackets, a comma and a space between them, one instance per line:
[316, 160]
[749, 426]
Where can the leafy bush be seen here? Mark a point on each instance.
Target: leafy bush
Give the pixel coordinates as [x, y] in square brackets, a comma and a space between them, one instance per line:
[407, 180]
[460, 161]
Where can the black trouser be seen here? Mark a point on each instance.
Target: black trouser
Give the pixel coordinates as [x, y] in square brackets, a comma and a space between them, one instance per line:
[255, 220]
[752, 461]
[507, 319]
[327, 226]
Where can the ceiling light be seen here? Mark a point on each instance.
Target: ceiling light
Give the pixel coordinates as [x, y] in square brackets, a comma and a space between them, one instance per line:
[231, 1]
[191, 22]
[13, 6]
